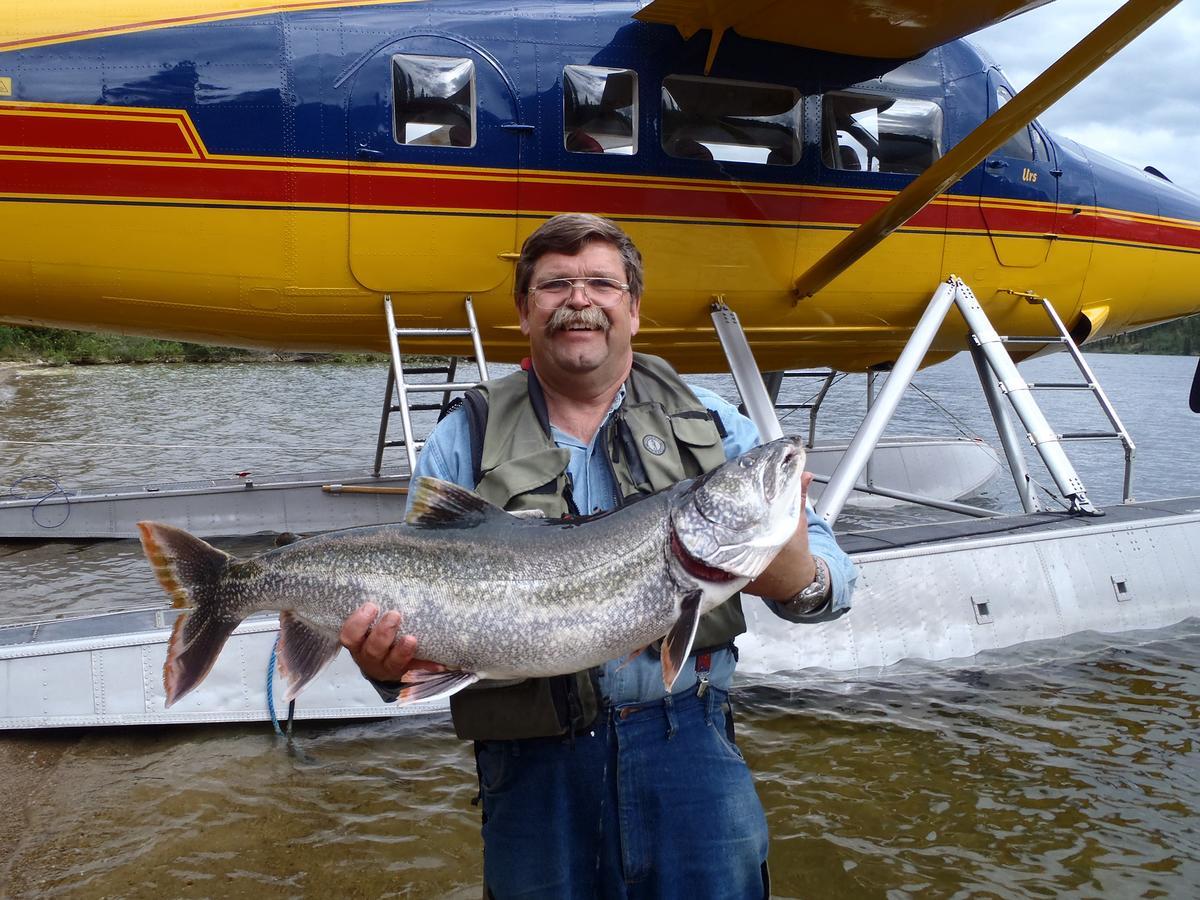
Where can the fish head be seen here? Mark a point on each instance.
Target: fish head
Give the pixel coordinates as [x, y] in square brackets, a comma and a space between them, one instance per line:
[737, 517]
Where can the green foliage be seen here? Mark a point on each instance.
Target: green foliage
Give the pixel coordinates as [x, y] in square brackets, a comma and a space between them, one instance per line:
[60, 347]
[1178, 338]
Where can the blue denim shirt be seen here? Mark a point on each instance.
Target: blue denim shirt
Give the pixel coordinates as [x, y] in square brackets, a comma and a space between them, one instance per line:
[447, 455]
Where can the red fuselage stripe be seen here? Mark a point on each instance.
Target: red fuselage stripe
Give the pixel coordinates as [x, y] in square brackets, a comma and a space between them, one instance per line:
[320, 184]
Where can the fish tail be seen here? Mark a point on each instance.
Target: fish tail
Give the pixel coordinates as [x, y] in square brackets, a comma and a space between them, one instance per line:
[193, 573]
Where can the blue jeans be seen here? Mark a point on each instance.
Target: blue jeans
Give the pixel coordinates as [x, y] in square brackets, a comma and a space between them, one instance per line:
[655, 802]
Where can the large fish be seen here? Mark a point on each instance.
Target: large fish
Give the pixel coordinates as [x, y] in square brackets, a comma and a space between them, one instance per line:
[488, 594]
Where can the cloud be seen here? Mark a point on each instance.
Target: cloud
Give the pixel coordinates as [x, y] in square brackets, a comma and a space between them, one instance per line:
[1140, 107]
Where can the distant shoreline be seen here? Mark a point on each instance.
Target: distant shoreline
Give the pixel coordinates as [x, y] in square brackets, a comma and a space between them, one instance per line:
[20, 346]
[57, 347]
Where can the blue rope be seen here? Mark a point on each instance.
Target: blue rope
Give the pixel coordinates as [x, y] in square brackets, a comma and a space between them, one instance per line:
[271, 688]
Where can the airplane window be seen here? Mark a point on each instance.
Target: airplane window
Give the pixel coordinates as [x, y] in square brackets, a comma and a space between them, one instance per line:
[871, 133]
[434, 99]
[600, 110]
[731, 121]
[1020, 145]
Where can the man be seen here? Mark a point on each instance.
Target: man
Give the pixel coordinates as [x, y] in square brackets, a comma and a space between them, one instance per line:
[599, 784]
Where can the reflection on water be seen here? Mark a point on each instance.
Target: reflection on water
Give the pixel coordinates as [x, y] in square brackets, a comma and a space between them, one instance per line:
[1070, 769]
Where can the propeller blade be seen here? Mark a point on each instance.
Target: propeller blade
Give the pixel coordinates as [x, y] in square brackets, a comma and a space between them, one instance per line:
[1194, 396]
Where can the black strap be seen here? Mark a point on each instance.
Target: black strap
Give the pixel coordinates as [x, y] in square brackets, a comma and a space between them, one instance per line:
[477, 416]
[629, 446]
[716, 417]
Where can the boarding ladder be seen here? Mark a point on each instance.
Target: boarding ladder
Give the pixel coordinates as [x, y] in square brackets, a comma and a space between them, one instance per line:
[997, 374]
[396, 397]
[1089, 383]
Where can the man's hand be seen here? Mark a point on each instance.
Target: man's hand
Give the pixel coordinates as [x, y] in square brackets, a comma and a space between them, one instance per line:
[374, 646]
[794, 568]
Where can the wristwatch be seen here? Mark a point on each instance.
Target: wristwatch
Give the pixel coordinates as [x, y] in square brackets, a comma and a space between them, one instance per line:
[812, 598]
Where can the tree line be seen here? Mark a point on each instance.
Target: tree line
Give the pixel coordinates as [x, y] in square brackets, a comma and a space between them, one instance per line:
[60, 347]
[1178, 338]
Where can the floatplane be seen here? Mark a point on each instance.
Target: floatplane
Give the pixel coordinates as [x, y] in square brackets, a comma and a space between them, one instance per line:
[846, 185]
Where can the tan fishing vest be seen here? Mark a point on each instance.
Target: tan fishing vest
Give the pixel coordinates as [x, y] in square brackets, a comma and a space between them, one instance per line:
[659, 435]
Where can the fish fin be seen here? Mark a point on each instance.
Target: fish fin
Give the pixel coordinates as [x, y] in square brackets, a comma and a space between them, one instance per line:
[421, 684]
[678, 643]
[631, 657]
[434, 503]
[193, 574]
[303, 651]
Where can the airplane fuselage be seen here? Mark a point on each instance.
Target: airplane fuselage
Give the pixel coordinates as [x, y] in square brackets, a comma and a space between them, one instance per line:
[263, 179]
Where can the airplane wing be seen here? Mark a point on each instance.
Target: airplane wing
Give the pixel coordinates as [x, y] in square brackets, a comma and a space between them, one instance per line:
[891, 29]
[1071, 68]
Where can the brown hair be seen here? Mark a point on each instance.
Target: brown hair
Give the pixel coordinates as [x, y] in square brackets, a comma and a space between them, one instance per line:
[568, 234]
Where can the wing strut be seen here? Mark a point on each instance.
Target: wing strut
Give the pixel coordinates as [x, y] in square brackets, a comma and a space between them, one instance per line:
[1076, 64]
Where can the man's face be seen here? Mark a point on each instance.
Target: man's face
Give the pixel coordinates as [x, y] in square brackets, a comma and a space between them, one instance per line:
[580, 336]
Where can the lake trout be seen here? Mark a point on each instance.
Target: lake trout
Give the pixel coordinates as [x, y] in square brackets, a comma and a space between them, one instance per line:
[487, 594]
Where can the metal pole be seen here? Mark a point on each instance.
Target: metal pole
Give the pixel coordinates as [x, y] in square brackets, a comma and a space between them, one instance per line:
[816, 407]
[477, 340]
[870, 402]
[844, 477]
[401, 387]
[1009, 439]
[383, 419]
[949, 505]
[745, 371]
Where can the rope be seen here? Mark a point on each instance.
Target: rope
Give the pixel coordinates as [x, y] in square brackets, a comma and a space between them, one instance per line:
[58, 489]
[271, 692]
[271, 696]
[962, 427]
[813, 396]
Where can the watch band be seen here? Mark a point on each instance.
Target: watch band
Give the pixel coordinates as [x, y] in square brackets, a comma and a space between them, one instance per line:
[811, 598]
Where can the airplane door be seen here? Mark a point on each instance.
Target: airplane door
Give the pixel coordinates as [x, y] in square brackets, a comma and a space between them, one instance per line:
[433, 169]
[1019, 193]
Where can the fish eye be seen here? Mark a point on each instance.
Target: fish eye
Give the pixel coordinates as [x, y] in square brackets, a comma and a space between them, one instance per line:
[745, 462]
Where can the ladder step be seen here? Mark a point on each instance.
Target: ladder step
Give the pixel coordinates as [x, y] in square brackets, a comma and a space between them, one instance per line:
[437, 388]
[433, 332]
[1089, 435]
[1031, 339]
[1060, 385]
[402, 442]
[417, 407]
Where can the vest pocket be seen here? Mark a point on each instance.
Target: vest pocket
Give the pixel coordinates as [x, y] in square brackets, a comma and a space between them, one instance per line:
[698, 431]
[528, 475]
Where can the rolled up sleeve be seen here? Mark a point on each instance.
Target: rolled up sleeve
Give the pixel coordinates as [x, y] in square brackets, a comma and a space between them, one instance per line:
[842, 574]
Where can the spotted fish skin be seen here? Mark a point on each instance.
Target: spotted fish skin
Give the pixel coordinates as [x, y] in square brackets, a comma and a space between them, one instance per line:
[487, 594]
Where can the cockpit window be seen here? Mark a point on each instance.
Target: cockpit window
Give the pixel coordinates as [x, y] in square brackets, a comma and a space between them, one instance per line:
[600, 110]
[1020, 145]
[731, 121]
[434, 100]
[871, 133]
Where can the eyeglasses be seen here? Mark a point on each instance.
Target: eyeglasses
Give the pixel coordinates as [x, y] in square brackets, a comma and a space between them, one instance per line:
[603, 292]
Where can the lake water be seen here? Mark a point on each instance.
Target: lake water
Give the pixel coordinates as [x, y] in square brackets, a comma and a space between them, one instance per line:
[1064, 769]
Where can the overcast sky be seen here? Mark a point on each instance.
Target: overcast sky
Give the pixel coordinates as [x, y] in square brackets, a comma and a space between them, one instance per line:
[1142, 106]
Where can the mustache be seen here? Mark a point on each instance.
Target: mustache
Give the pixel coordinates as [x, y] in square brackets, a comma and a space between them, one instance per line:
[567, 317]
